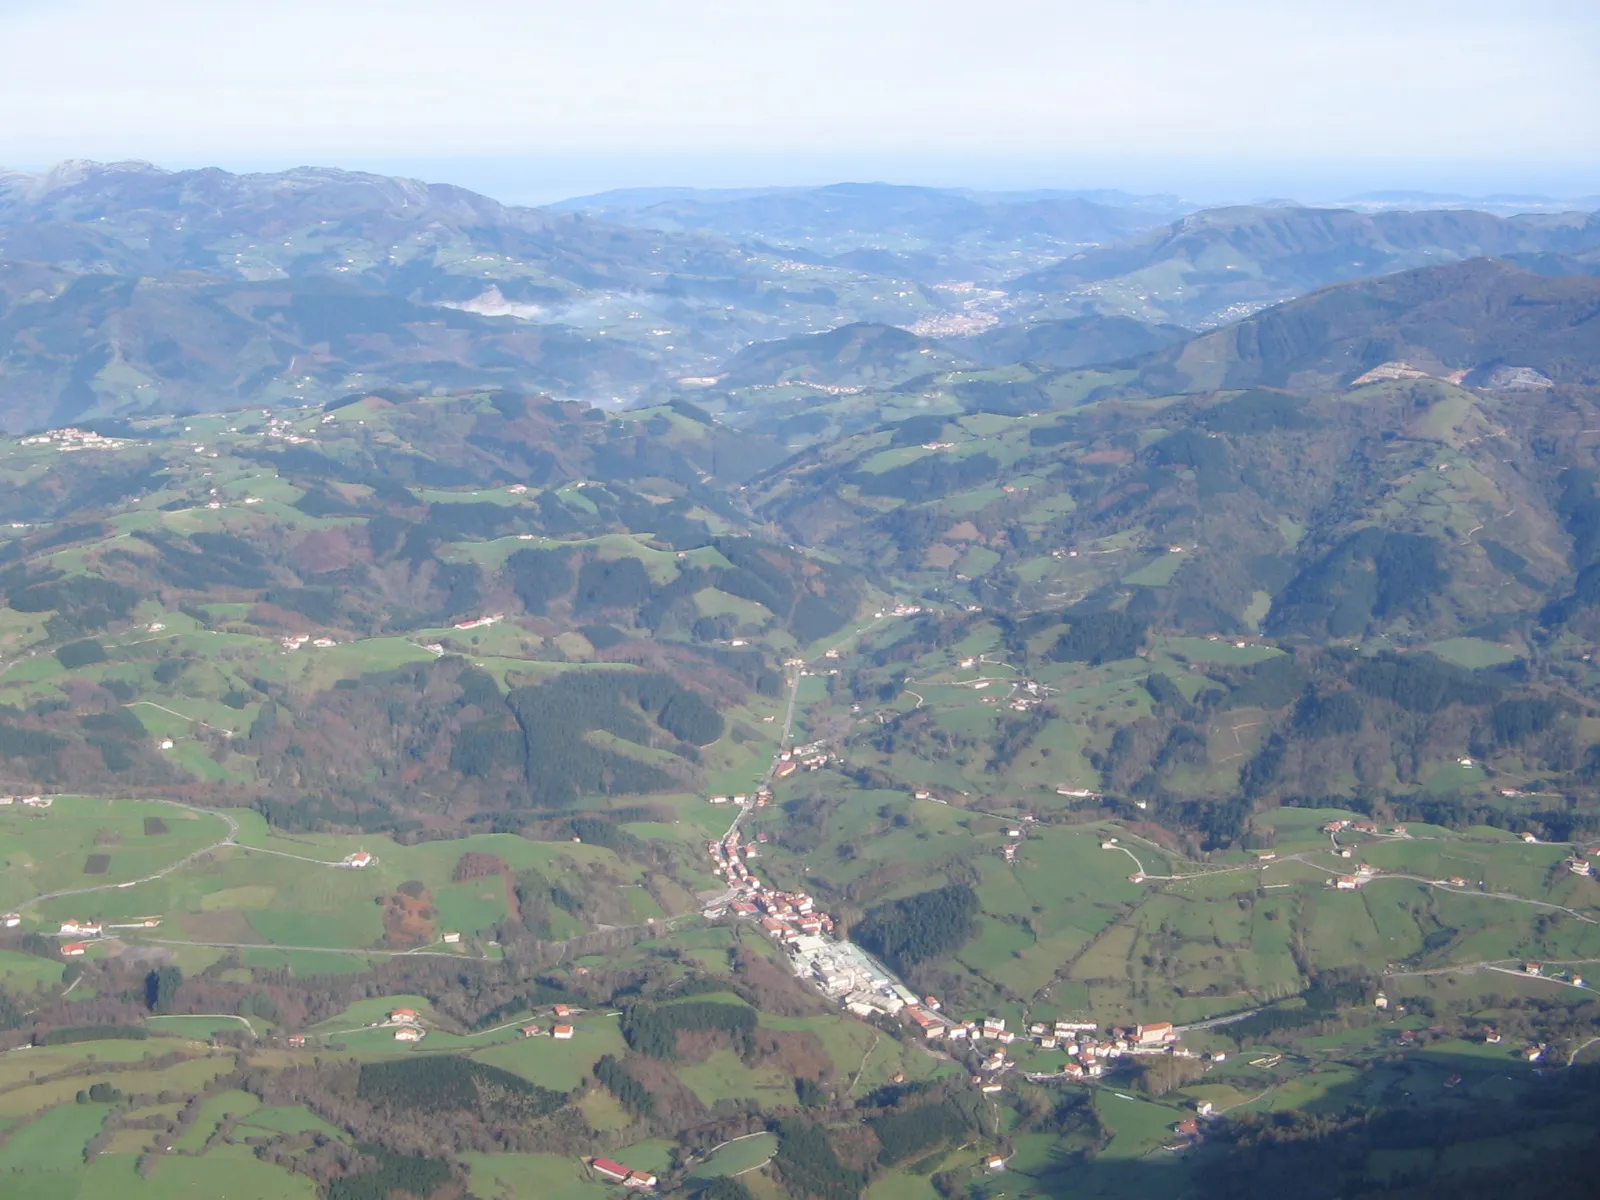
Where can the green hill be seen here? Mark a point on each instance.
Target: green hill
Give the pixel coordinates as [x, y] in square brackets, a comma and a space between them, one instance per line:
[859, 355]
[1462, 322]
[1073, 342]
[317, 568]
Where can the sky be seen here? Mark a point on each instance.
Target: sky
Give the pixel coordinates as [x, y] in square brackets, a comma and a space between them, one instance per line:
[533, 99]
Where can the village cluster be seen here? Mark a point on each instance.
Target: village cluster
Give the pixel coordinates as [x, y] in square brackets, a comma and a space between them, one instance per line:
[811, 757]
[1086, 1047]
[784, 915]
[283, 430]
[1024, 695]
[71, 438]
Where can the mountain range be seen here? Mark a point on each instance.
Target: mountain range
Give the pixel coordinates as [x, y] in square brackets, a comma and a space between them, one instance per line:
[128, 289]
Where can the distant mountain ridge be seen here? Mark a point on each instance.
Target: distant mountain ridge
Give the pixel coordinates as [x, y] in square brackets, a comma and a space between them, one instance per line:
[1208, 263]
[1459, 322]
[125, 288]
[844, 216]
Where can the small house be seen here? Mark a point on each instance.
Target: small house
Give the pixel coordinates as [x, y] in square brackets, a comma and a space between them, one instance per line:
[74, 949]
[562, 1033]
[11, 920]
[403, 1014]
[297, 1041]
[452, 938]
[408, 1033]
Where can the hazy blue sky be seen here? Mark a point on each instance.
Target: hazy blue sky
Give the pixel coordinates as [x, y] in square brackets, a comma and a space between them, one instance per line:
[1264, 95]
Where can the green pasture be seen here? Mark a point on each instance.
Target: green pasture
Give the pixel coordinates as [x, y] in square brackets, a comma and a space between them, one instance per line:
[54, 1141]
[24, 972]
[560, 1066]
[286, 1119]
[1137, 1126]
[270, 889]
[532, 1177]
[213, 1111]
[721, 1075]
[44, 850]
[231, 1171]
[738, 1156]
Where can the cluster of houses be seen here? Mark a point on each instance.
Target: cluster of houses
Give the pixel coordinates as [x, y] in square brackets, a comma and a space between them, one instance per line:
[293, 641]
[79, 929]
[1087, 1048]
[283, 430]
[561, 1031]
[760, 798]
[615, 1172]
[29, 801]
[1025, 694]
[786, 916]
[71, 438]
[1579, 865]
[810, 758]
[1367, 827]
[1349, 883]
[75, 928]
[728, 860]
[407, 1025]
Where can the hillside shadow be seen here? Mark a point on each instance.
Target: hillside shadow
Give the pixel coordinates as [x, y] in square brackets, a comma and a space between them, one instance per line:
[1429, 1124]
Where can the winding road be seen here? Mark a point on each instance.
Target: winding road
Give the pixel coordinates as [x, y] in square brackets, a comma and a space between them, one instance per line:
[222, 814]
